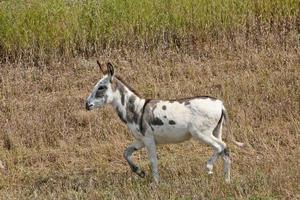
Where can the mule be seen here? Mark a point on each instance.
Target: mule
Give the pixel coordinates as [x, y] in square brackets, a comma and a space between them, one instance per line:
[153, 122]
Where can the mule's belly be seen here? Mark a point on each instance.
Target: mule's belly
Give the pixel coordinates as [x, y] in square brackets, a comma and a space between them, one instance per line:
[172, 137]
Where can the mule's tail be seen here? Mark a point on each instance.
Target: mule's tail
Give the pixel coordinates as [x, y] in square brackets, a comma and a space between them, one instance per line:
[225, 117]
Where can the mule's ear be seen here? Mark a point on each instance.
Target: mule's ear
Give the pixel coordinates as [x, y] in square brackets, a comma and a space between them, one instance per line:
[111, 70]
[100, 66]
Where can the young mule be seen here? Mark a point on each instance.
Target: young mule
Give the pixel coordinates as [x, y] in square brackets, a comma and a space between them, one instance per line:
[154, 122]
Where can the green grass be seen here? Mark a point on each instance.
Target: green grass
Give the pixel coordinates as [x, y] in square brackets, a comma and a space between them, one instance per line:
[75, 27]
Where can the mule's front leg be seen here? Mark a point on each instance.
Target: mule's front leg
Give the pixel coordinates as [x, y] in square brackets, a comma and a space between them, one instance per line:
[151, 148]
[137, 145]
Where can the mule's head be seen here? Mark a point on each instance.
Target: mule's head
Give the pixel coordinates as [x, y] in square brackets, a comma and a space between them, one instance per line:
[102, 93]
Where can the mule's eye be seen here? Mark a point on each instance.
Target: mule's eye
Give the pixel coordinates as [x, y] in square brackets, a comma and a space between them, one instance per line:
[102, 87]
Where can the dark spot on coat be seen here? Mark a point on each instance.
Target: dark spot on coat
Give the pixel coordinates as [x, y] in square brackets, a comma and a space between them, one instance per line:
[148, 117]
[122, 91]
[187, 103]
[171, 122]
[165, 116]
[131, 114]
[122, 98]
[142, 124]
[157, 122]
[131, 100]
[164, 107]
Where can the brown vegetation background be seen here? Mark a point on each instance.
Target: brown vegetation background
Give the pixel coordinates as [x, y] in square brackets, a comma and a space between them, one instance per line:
[51, 148]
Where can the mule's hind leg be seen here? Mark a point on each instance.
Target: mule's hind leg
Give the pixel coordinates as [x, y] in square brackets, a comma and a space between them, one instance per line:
[217, 132]
[219, 147]
[211, 161]
[214, 142]
[128, 153]
[227, 164]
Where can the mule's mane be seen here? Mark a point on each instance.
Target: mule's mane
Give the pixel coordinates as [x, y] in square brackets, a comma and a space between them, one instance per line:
[191, 98]
[171, 100]
[127, 85]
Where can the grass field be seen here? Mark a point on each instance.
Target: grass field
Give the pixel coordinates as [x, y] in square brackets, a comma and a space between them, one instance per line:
[38, 28]
[51, 148]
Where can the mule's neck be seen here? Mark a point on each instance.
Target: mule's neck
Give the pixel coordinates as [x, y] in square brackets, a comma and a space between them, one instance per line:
[127, 103]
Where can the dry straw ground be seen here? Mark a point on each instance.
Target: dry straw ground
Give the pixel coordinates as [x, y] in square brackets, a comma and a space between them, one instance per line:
[51, 148]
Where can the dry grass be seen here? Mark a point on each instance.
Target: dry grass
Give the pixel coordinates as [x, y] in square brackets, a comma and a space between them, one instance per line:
[53, 149]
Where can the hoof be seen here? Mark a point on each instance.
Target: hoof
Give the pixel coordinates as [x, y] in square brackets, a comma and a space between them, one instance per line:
[156, 181]
[227, 180]
[141, 173]
[209, 168]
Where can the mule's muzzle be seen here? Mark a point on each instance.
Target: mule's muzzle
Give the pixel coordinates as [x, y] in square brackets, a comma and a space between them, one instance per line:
[88, 106]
